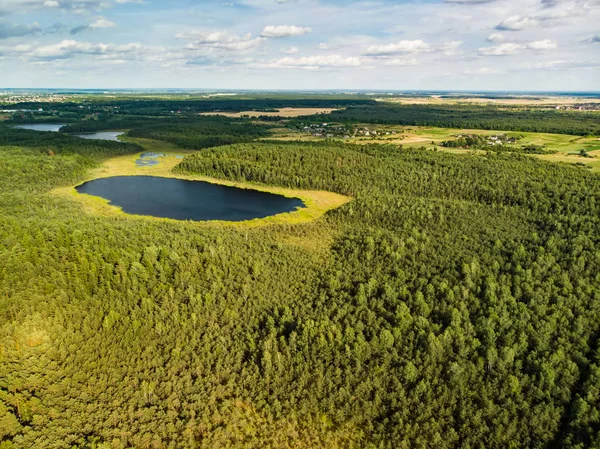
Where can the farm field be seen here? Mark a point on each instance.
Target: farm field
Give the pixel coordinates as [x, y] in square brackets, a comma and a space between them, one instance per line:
[567, 146]
[528, 100]
[284, 112]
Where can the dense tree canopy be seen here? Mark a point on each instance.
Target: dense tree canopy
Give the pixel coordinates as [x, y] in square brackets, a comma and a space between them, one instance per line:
[202, 132]
[472, 117]
[454, 303]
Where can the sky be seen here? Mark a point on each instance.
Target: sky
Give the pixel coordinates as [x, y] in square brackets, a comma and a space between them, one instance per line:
[526, 45]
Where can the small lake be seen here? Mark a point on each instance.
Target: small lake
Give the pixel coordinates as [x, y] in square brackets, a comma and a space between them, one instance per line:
[41, 127]
[104, 135]
[187, 200]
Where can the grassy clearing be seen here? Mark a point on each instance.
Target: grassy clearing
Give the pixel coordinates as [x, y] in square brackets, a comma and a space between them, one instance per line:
[317, 202]
[285, 112]
[526, 100]
[567, 146]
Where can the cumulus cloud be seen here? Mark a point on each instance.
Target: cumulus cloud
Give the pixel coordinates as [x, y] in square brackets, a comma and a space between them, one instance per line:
[312, 62]
[68, 49]
[220, 40]
[404, 46]
[517, 23]
[75, 6]
[553, 14]
[511, 48]
[224, 40]
[280, 31]
[412, 47]
[495, 37]
[100, 22]
[449, 48]
[545, 44]
[500, 50]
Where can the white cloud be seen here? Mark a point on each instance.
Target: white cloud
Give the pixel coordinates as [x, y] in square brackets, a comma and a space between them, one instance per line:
[482, 71]
[312, 62]
[501, 50]
[67, 49]
[401, 62]
[76, 6]
[469, 1]
[495, 37]
[221, 40]
[517, 23]
[382, 35]
[449, 48]
[404, 46]
[272, 31]
[545, 44]
[101, 22]
[511, 48]
[412, 47]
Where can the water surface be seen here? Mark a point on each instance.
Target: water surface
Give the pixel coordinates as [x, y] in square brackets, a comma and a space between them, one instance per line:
[187, 200]
[41, 127]
[103, 135]
[149, 159]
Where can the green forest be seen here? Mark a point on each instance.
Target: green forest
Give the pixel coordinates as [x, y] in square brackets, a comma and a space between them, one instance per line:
[509, 118]
[453, 303]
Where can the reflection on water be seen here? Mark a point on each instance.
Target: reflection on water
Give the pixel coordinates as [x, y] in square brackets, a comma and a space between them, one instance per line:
[103, 135]
[188, 200]
[41, 127]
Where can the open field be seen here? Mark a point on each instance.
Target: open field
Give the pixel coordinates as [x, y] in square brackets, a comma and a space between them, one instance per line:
[544, 101]
[317, 202]
[285, 112]
[565, 145]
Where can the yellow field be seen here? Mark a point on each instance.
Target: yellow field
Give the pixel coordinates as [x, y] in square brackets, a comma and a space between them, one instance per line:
[285, 112]
[317, 202]
[517, 101]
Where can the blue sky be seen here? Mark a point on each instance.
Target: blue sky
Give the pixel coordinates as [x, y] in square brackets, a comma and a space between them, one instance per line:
[301, 44]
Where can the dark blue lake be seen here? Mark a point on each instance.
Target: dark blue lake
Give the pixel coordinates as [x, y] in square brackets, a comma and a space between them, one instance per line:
[187, 200]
